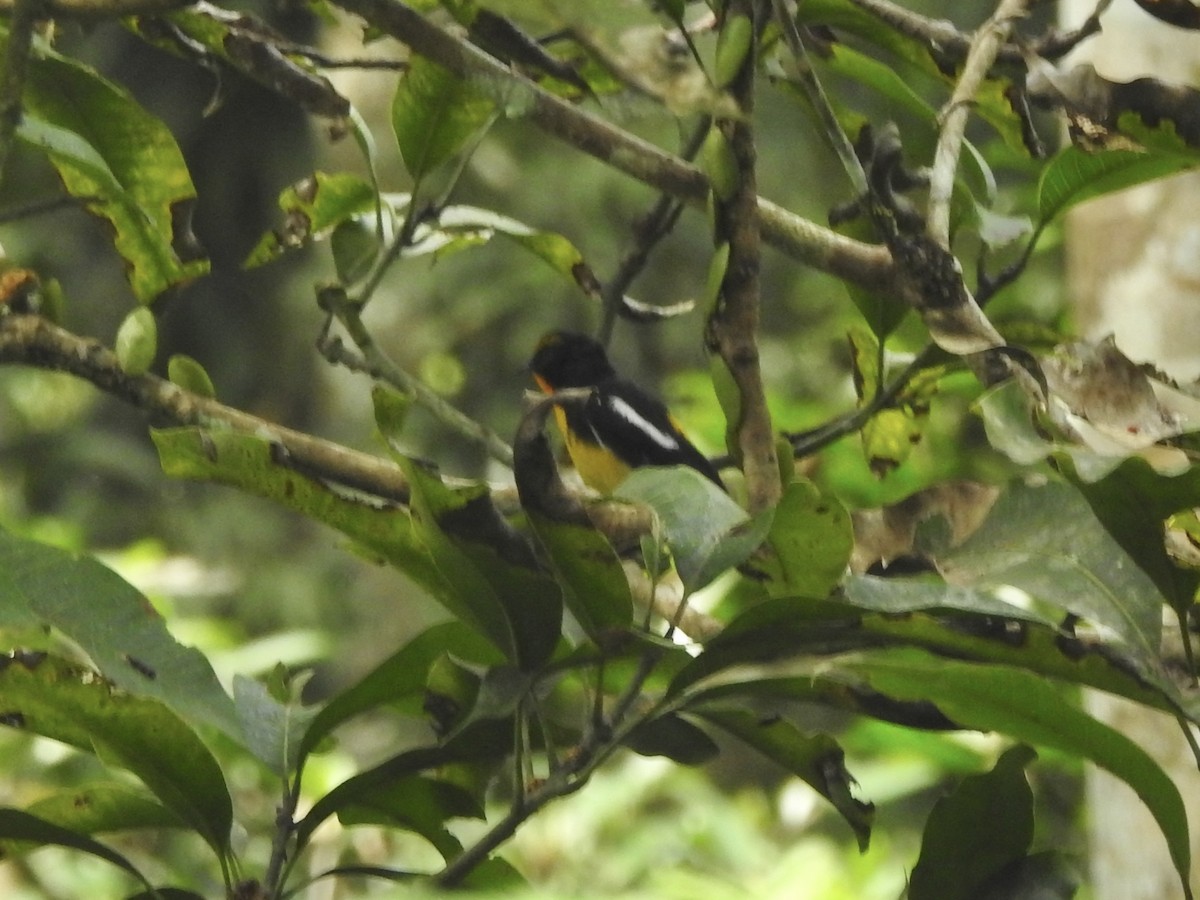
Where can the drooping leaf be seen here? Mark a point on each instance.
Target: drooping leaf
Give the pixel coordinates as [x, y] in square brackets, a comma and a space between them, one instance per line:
[589, 573]
[418, 804]
[1027, 707]
[971, 835]
[53, 698]
[100, 806]
[1044, 540]
[110, 620]
[480, 745]
[260, 467]
[494, 581]
[17, 825]
[816, 759]
[706, 531]
[122, 162]
[674, 737]
[434, 114]
[1133, 503]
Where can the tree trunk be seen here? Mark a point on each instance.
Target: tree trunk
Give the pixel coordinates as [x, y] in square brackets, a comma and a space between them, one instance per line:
[1133, 269]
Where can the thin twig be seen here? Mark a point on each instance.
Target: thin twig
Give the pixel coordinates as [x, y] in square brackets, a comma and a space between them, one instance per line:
[12, 78]
[647, 232]
[984, 47]
[809, 82]
[801, 238]
[954, 44]
[375, 362]
[284, 827]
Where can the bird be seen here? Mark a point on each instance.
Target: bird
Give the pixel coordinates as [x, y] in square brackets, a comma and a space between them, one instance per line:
[619, 426]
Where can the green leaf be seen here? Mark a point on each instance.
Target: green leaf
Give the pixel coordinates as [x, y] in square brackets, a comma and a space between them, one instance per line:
[16, 825]
[259, 466]
[1074, 175]
[1133, 502]
[811, 539]
[55, 699]
[402, 674]
[1030, 709]
[720, 165]
[274, 729]
[707, 532]
[494, 582]
[1044, 540]
[190, 375]
[122, 162]
[114, 625]
[733, 46]
[463, 226]
[674, 737]
[816, 759]
[479, 745]
[313, 209]
[589, 573]
[137, 342]
[975, 832]
[418, 804]
[434, 114]
[104, 806]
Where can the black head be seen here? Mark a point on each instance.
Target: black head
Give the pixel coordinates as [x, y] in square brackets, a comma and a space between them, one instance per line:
[566, 359]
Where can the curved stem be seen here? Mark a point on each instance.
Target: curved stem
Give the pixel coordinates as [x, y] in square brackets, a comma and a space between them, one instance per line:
[984, 46]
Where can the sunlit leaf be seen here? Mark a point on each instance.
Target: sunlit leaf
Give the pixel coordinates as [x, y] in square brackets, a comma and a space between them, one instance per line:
[434, 114]
[122, 162]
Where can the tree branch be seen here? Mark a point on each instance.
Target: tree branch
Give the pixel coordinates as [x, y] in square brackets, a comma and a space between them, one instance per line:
[94, 10]
[732, 328]
[32, 340]
[942, 35]
[800, 238]
[984, 47]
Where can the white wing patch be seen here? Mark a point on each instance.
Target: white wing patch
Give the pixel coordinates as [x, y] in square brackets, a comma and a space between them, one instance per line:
[633, 417]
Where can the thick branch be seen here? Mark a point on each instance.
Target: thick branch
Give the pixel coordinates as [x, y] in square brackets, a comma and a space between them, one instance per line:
[92, 10]
[32, 340]
[733, 325]
[798, 237]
